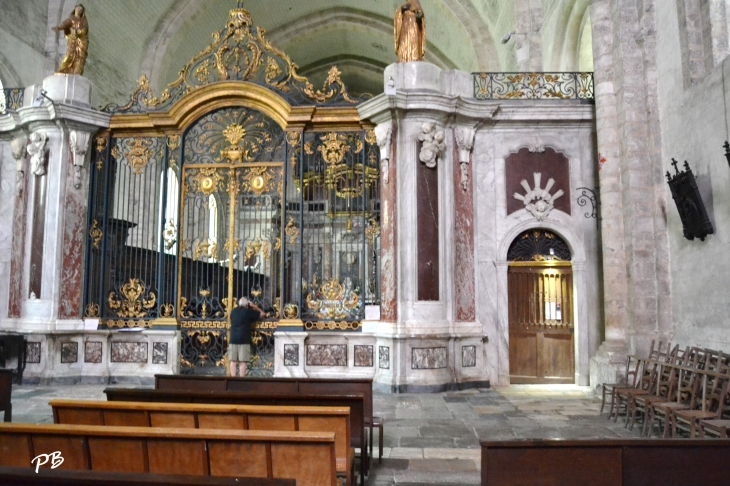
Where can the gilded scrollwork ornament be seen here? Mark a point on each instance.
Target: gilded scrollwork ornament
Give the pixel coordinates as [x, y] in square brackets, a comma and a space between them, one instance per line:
[137, 152]
[137, 300]
[96, 234]
[241, 52]
[291, 231]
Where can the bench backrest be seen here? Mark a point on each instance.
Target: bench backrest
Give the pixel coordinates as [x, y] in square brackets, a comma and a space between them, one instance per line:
[273, 386]
[606, 462]
[355, 402]
[307, 457]
[208, 416]
[23, 476]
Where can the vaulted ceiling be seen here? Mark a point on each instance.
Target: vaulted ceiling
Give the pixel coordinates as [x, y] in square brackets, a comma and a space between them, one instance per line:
[129, 38]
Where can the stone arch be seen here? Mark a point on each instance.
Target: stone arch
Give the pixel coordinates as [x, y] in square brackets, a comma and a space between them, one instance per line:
[561, 42]
[574, 242]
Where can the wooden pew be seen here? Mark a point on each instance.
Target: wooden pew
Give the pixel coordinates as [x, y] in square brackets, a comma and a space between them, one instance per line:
[638, 462]
[307, 457]
[355, 402]
[281, 386]
[207, 416]
[6, 389]
[24, 476]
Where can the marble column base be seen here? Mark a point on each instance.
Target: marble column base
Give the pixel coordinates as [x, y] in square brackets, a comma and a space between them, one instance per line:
[428, 363]
[100, 357]
[324, 355]
[608, 365]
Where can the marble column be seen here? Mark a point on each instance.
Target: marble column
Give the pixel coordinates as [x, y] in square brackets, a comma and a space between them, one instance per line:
[464, 224]
[50, 217]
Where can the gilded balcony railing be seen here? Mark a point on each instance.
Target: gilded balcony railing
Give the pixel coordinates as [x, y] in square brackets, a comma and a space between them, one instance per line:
[12, 99]
[533, 86]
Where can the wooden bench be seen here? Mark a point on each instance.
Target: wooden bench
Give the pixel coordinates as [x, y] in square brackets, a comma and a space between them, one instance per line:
[355, 402]
[6, 389]
[281, 386]
[23, 476]
[638, 462]
[207, 416]
[307, 457]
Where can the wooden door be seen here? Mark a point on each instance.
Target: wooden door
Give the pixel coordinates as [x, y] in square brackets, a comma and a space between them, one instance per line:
[541, 323]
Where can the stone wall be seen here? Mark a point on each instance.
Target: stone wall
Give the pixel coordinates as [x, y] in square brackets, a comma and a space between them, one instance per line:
[694, 125]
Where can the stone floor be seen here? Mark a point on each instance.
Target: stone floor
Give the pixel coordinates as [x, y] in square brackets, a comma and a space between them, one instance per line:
[429, 438]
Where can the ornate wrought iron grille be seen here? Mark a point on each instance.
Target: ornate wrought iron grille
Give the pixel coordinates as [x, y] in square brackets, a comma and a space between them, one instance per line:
[533, 86]
[233, 207]
[538, 245]
[12, 99]
[337, 179]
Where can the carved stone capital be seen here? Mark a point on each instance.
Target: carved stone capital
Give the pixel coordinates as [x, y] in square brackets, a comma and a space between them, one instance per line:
[79, 142]
[465, 143]
[383, 134]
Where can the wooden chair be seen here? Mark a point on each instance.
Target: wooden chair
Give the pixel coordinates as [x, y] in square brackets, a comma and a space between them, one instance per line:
[628, 379]
[721, 428]
[207, 416]
[644, 386]
[686, 394]
[712, 403]
[664, 390]
[307, 457]
[635, 377]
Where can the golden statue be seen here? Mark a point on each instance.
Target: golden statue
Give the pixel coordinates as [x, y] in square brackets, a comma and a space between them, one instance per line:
[76, 30]
[410, 32]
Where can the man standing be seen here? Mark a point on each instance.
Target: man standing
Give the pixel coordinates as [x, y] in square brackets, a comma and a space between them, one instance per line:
[239, 344]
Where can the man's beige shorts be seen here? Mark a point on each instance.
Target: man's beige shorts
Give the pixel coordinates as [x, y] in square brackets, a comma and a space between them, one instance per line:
[239, 352]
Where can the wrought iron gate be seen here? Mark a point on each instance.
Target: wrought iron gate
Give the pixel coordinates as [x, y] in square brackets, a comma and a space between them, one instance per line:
[239, 179]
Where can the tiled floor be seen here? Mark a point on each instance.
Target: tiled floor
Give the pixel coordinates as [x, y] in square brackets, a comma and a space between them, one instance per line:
[428, 438]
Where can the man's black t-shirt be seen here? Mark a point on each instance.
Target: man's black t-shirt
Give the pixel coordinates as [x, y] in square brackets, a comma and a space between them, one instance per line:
[242, 318]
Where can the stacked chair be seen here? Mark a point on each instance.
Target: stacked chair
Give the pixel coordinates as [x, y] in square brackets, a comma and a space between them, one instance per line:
[684, 392]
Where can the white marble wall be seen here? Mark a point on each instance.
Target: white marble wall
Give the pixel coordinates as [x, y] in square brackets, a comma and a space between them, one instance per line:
[425, 93]
[567, 128]
[7, 201]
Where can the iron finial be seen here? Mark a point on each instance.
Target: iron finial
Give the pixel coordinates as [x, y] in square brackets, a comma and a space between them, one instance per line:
[674, 163]
[669, 177]
[727, 151]
[686, 167]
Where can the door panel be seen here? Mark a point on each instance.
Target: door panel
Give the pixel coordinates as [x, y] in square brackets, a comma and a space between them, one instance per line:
[523, 356]
[541, 324]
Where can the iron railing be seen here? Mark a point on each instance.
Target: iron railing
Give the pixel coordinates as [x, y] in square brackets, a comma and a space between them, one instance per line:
[533, 86]
[12, 99]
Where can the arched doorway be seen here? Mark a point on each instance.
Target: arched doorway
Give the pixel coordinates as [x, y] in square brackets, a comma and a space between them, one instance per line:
[540, 296]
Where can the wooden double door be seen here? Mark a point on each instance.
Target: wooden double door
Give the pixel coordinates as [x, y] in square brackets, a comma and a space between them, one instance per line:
[541, 332]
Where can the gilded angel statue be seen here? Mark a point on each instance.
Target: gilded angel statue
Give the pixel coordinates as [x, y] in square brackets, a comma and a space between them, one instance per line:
[410, 32]
[76, 30]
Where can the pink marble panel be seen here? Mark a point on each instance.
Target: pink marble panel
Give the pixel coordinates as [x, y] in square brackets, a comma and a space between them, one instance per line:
[388, 236]
[464, 243]
[15, 297]
[74, 237]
